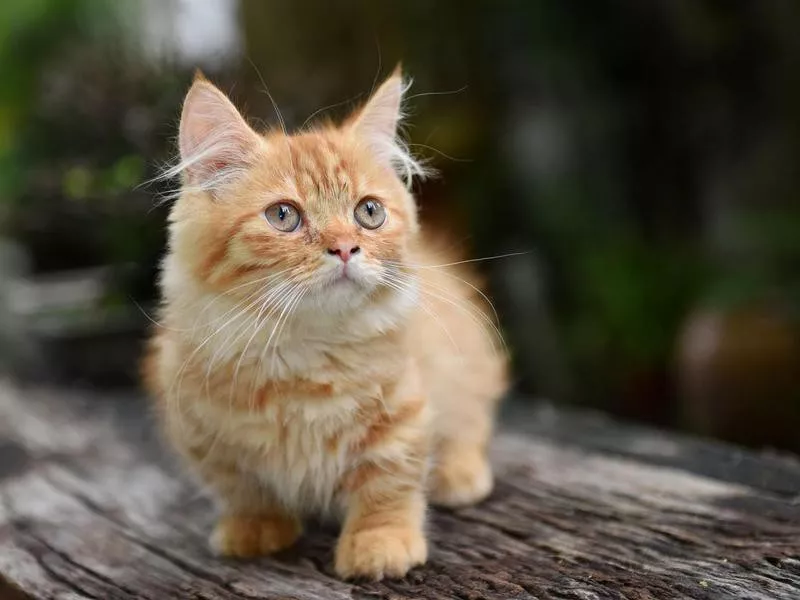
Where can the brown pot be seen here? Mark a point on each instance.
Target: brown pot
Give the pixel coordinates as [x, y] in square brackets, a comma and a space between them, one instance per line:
[739, 377]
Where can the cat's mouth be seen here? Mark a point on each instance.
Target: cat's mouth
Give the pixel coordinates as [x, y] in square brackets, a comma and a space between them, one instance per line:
[348, 277]
[344, 276]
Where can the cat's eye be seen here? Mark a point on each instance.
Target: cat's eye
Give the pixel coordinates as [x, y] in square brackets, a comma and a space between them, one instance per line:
[370, 214]
[283, 217]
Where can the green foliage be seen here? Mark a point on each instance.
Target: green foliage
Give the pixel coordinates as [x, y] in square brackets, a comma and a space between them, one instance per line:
[31, 30]
[631, 300]
[81, 183]
[84, 121]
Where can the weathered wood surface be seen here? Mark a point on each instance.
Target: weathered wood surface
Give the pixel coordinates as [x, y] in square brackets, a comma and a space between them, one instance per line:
[92, 507]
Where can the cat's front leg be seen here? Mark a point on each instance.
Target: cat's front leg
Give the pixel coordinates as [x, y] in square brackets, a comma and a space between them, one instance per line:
[383, 533]
[252, 523]
[247, 535]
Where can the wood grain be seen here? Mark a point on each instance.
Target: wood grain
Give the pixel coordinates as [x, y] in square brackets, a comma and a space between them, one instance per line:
[91, 506]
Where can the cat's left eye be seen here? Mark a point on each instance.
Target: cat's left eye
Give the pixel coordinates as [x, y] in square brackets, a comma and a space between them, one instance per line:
[283, 217]
[369, 213]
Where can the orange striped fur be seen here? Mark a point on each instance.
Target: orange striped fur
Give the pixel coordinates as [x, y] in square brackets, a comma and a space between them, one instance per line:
[296, 384]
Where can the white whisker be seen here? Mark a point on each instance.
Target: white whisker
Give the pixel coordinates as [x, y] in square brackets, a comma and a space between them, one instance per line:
[271, 99]
[475, 315]
[404, 288]
[218, 297]
[278, 304]
[181, 372]
[460, 262]
[440, 153]
[324, 108]
[473, 287]
[446, 92]
[273, 298]
[291, 306]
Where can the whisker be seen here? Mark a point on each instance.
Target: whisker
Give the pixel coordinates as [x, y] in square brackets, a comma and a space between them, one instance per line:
[449, 297]
[181, 372]
[471, 312]
[273, 298]
[151, 319]
[461, 262]
[271, 99]
[263, 297]
[266, 279]
[279, 305]
[378, 70]
[267, 305]
[243, 312]
[404, 288]
[446, 92]
[274, 308]
[473, 287]
[330, 106]
[235, 306]
[291, 307]
[188, 329]
[242, 355]
[439, 152]
[470, 308]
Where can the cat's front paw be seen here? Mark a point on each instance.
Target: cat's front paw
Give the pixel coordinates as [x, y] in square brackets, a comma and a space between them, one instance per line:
[380, 552]
[253, 536]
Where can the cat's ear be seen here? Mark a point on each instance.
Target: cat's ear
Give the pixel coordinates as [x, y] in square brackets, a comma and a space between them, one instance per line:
[376, 125]
[215, 141]
[380, 116]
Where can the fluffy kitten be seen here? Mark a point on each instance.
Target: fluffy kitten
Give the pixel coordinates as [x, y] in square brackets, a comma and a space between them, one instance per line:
[315, 356]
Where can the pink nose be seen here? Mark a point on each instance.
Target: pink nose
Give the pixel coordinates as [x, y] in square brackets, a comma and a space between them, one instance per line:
[344, 250]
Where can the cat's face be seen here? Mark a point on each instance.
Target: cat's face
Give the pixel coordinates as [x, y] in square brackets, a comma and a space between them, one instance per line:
[319, 218]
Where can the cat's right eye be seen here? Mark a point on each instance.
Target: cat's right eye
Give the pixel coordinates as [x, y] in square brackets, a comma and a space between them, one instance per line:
[283, 217]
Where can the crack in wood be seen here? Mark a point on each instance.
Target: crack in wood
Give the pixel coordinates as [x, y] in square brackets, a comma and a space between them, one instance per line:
[47, 568]
[124, 529]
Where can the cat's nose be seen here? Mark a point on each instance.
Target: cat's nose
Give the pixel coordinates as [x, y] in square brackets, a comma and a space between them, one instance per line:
[344, 250]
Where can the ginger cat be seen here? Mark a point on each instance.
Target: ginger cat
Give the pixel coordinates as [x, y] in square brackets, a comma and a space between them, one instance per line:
[316, 355]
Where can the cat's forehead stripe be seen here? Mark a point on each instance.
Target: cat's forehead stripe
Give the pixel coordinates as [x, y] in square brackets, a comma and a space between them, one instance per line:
[321, 168]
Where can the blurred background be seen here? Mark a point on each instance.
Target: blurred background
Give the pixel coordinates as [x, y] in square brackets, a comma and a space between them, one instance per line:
[643, 155]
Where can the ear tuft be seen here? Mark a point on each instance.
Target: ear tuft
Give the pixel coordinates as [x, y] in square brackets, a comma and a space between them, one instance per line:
[215, 142]
[377, 124]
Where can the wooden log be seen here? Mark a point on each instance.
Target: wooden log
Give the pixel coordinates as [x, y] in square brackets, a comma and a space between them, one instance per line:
[92, 506]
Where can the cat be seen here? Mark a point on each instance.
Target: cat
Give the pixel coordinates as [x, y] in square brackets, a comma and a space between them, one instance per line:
[317, 354]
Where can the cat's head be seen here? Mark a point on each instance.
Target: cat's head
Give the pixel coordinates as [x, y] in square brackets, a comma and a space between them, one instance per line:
[323, 213]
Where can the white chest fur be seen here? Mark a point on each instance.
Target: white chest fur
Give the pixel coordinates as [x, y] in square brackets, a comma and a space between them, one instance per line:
[296, 444]
[298, 450]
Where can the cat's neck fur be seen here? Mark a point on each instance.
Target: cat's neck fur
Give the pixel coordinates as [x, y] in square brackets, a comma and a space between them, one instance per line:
[222, 328]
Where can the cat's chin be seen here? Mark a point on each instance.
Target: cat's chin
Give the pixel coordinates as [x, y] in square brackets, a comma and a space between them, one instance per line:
[353, 280]
[341, 292]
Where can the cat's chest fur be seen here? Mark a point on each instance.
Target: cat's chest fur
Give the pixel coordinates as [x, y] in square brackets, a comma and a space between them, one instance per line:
[299, 453]
[297, 432]
[288, 404]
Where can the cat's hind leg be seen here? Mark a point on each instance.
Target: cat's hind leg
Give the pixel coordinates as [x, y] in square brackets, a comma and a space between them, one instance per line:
[461, 473]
